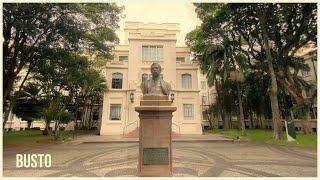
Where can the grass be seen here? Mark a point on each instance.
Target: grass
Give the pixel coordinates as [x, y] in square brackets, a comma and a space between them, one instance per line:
[69, 135]
[266, 136]
[35, 137]
[24, 137]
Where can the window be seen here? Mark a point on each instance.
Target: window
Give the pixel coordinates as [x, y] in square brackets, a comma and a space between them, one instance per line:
[186, 81]
[115, 111]
[150, 76]
[144, 77]
[203, 85]
[116, 81]
[181, 59]
[152, 53]
[204, 100]
[123, 58]
[188, 111]
[205, 115]
[95, 115]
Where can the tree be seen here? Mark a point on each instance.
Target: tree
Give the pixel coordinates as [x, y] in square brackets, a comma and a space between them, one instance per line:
[269, 35]
[216, 55]
[256, 95]
[277, 133]
[226, 101]
[57, 113]
[32, 29]
[279, 31]
[29, 105]
[69, 78]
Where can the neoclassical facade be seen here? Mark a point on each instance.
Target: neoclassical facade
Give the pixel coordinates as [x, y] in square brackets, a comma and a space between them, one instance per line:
[146, 44]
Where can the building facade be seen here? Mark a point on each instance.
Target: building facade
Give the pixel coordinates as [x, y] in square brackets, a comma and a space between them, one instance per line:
[146, 44]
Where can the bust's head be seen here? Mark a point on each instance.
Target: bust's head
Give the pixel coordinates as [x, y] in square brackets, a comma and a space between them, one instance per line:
[155, 69]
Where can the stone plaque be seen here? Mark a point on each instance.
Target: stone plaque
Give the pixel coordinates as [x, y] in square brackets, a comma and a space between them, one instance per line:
[155, 156]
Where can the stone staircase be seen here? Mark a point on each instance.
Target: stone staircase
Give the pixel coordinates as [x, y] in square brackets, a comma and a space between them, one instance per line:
[135, 134]
[132, 134]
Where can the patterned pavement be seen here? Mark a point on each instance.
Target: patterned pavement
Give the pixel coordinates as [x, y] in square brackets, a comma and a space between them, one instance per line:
[190, 159]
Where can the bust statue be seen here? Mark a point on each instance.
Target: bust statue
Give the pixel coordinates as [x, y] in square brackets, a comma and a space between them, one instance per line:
[156, 85]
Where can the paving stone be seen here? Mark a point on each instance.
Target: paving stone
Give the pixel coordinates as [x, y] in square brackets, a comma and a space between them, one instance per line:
[190, 159]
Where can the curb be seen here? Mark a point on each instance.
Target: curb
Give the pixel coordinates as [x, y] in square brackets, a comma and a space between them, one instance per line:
[137, 141]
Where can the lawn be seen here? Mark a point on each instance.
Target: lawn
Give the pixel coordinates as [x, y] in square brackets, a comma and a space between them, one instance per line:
[266, 136]
[34, 137]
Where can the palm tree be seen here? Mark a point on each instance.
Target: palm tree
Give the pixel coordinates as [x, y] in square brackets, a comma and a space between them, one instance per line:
[217, 60]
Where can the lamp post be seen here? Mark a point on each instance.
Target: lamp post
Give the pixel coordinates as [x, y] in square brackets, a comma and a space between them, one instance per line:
[131, 97]
[172, 97]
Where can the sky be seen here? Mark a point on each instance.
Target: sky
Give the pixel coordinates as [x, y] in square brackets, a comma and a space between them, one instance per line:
[161, 12]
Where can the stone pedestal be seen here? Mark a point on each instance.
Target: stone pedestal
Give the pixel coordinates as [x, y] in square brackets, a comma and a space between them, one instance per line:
[155, 141]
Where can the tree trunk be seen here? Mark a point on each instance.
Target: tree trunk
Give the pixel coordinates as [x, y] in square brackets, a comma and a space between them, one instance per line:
[13, 101]
[210, 120]
[227, 119]
[215, 122]
[56, 130]
[243, 127]
[47, 129]
[262, 121]
[251, 120]
[300, 100]
[261, 115]
[7, 86]
[305, 123]
[29, 124]
[224, 124]
[90, 117]
[76, 125]
[277, 127]
[85, 116]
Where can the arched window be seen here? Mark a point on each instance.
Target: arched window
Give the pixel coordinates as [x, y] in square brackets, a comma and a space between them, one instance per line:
[116, 81]
[186, 81]
[144, 77]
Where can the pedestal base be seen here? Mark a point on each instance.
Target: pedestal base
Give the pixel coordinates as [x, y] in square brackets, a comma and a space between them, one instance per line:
[155, 141]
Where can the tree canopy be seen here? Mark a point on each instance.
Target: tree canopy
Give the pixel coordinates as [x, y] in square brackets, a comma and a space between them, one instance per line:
[30, 30]
[267, 34]
[37, 34]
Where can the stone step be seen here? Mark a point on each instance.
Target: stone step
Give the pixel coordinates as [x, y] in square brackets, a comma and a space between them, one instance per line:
[135, 134]
[132, 134]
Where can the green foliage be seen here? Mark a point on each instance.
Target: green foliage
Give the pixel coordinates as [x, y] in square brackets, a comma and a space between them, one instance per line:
[72, 75]
[266, 136]
[231, 34]
[256, 95]
[30, 105]
[31, 31]
[71, 78]
[56, 112]
[300, 110]
[214, 49]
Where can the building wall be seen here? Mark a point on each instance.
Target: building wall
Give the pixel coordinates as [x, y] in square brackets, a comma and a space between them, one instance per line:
[140, 35]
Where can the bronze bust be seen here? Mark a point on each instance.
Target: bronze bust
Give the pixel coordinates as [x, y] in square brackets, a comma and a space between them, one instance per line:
[156, 85]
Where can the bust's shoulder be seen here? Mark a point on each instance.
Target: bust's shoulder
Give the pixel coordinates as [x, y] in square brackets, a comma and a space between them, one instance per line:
[145, 81]
[165, 82]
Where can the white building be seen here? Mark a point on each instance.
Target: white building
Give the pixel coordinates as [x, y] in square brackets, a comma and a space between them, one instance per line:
[146, 44]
